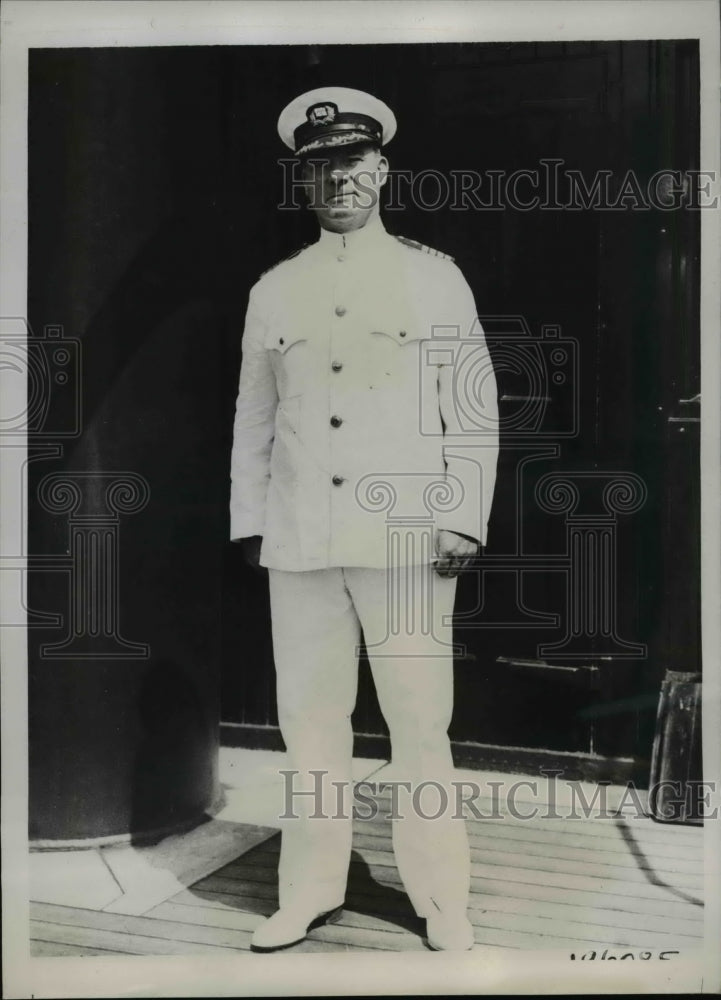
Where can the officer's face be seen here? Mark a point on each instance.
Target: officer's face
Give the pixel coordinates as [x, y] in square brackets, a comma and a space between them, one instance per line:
[343, 186]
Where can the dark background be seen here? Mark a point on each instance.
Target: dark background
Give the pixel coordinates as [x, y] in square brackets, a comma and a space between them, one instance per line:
[153, 186]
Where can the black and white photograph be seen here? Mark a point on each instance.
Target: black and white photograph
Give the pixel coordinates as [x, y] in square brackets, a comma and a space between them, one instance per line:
[360, 498]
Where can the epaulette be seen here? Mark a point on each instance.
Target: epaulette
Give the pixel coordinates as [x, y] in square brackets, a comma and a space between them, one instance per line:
[415, 245]
[284, 259]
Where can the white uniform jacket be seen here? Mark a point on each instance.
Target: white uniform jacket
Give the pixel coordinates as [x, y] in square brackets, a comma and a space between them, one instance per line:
[367, 401]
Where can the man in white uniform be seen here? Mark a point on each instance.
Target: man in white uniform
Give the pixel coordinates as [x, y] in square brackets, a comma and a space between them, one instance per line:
[363, 469]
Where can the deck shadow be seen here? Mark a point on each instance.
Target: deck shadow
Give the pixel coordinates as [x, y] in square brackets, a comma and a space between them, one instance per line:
[646, 866]
[250, 883]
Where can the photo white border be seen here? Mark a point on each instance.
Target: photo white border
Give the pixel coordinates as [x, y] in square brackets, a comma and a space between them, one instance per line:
[77, 23]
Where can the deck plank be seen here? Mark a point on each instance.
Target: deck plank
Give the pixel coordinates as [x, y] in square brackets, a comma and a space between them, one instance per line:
[586, 928]
[355, 930]
[263, 899]
[661, 856]
[617, 893]
[58, 949]
[494, 814]
[519, 867]
[352, 929]
[481, 891]
[684, 871]
[133, 926]
[92, 938]
[227, 913]
[144, 935]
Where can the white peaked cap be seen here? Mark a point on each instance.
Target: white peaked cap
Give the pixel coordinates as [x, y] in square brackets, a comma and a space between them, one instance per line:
[335, 116]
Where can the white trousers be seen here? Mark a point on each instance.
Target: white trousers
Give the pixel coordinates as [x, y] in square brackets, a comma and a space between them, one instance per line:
[317, 618]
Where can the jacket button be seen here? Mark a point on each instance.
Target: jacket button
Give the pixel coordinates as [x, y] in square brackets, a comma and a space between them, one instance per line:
[340, 310]
[335, 421]
[281, 341]
[341, 258]
[336, 366]
[402, 333]
[337, 480]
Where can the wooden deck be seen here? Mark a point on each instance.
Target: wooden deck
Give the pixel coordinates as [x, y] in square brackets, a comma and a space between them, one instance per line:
[543, 883]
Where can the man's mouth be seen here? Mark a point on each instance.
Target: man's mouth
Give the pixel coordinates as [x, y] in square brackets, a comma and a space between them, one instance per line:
[341, 198]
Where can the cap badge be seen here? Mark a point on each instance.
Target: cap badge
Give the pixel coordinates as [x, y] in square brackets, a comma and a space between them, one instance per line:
[322, 114]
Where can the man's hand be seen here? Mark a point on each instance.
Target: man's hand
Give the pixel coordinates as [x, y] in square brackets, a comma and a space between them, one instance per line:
[454, 553]
[250, 547]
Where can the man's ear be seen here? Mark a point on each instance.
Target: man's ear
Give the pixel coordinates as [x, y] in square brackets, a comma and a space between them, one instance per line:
[382, 169]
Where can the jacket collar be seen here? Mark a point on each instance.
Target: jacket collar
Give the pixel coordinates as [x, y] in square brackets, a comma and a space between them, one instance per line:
[355, 242]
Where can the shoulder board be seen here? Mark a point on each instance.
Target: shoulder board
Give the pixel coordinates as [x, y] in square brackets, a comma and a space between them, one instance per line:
[423, 248]
[284, 259]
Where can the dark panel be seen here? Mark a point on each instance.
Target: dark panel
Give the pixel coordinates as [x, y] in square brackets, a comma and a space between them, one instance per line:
[124, 737]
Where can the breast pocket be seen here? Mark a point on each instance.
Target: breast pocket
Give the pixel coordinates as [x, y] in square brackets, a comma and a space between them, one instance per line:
[392, 365]
[393, 353]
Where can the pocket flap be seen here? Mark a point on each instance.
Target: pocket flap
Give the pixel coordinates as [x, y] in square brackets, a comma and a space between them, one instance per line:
[282, 340]
[401, 334]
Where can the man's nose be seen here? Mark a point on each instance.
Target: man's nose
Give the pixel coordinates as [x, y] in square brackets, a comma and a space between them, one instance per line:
[339, 175]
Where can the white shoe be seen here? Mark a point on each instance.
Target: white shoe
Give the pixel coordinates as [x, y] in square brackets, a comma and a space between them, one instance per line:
[449, 931]
[290, 925]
